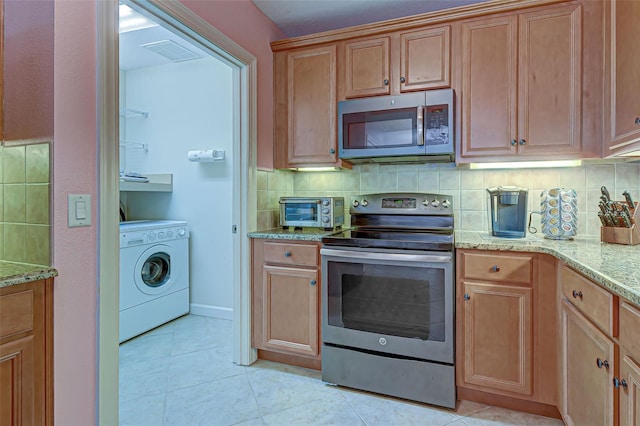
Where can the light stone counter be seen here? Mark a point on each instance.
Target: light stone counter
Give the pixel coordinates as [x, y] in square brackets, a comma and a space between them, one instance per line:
[614, 266]
[306, 234]
[12, 273]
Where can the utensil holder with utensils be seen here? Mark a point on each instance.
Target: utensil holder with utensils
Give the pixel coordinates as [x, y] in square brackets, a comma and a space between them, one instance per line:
[621, 234]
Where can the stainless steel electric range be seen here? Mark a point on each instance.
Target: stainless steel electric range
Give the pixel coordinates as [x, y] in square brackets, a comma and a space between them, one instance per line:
[387, 298]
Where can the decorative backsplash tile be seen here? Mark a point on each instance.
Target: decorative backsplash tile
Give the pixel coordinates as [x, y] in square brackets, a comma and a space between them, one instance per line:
[468, 187]
[25, 203]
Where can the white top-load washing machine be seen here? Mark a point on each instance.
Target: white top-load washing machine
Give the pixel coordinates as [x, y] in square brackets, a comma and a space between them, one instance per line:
[154, 274]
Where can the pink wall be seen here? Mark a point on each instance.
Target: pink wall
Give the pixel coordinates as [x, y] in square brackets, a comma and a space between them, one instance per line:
[244, 23]
[28, 55]
[75, 170]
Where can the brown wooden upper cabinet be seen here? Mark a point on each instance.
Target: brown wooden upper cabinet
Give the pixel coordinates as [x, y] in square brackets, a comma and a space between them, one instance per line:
[522, 84]
[305, 107]
[399, 62]
[622, 89]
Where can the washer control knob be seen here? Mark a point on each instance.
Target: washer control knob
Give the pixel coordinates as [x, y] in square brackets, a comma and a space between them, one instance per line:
[364, 203]
[181, 232]
[355, 203]
[435, 203]
[169, 234]
[161, 236]
[446, 203]
[152, 236]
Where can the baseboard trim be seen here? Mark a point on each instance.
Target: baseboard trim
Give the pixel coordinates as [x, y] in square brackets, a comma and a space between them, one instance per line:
[211, 311]
[298, 361]
[508, 402]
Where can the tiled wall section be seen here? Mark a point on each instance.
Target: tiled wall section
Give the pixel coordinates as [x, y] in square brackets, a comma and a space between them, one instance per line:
[468, 187]
[24, 203]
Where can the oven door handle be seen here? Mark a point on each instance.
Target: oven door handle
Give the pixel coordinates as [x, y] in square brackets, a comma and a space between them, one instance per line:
[399, 257]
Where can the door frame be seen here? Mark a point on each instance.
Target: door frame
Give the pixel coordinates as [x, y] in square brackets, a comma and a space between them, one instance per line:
[177, 17]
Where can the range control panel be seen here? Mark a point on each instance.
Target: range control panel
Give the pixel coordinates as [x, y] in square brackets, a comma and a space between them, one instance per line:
[402, 203]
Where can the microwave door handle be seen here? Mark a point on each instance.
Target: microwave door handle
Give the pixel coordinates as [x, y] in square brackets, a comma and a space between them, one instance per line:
[420, 126]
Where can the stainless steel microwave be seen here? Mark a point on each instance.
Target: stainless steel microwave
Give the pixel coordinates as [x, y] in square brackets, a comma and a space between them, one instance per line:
[312, 212]
[412, 127]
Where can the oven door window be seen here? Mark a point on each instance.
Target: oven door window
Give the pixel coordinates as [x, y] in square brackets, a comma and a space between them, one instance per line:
[381, 129]
[301, 212]
[402, 301]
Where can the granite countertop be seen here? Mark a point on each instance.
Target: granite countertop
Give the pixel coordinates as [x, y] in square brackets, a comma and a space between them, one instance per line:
[613, 266]
[306, 234]
[12, 273]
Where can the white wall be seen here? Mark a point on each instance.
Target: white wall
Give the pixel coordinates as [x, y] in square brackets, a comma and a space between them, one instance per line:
[190, 107]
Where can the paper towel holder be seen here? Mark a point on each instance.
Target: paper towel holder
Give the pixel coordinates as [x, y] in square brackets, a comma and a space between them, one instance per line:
[206, 156]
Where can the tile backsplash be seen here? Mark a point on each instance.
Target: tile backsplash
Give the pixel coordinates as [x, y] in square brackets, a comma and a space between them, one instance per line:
[24, 203]
[468, 187]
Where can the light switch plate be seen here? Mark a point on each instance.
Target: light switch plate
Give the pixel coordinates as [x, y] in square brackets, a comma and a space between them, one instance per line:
[79, 210]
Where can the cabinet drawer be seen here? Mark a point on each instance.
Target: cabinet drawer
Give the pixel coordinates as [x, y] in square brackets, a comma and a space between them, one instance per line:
[630, 328]
[514, 269]
[591, 299]
[16, 313]
[291, 254]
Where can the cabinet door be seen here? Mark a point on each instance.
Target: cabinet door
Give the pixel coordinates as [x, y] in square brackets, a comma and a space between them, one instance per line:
[18, 384]
[489, 87]
[367, 67]
[588, 365]
[311, 102]
[425, 59]
[290, 314]
[630, 392]
[550, 87]
[623, 62]
[498, 337]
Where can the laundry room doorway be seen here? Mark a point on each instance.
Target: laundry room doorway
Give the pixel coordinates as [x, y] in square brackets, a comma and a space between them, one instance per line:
[183, 87]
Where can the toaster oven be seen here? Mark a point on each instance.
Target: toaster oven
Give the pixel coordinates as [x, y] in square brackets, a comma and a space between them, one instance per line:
[312, 212]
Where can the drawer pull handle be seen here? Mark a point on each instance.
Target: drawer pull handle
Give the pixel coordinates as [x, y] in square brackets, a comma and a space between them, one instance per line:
[312, 282]
[287, 254]
[602, 363]
[467, 297]
[617, 383]
[577, 294]
[495, 268]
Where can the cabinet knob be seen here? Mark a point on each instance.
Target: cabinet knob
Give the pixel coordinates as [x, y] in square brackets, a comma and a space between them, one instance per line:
[287, 254]
[522, 142]
[577, 294]
[513, 142]
[312, 282]
[637, 120]
[466, 296]
[332, 151]
[402, 80]
[495, 268]
[386, 82]
[617, 383]
[602, 363]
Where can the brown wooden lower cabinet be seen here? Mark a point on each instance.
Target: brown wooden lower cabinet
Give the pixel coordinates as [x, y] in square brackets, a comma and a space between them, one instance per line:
[506, 330]
[286, 301]
[26, 367]
[588, 366]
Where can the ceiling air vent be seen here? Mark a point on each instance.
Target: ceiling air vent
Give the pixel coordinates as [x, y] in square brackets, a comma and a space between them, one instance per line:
[171, 50]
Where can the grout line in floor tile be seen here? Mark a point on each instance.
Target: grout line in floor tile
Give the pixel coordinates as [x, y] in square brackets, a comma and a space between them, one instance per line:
[253, 392]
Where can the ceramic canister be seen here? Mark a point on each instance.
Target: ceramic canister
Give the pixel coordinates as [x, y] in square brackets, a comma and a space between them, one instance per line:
[559, 210]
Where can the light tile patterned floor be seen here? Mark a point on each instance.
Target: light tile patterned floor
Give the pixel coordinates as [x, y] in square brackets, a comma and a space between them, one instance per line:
[181, 374]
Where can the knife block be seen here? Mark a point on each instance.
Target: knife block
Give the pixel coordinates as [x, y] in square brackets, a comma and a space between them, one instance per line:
[621, 235]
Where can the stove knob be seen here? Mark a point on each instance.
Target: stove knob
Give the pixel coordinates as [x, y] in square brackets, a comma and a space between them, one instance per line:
[435, 203]
[364, 203]
[446, 203]
[425, 203]
[355, 203]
